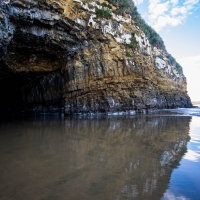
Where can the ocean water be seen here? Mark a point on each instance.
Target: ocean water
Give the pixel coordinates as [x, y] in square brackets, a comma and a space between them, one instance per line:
[154, 156]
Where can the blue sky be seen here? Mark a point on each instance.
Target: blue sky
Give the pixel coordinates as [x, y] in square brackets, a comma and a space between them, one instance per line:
[178, 23]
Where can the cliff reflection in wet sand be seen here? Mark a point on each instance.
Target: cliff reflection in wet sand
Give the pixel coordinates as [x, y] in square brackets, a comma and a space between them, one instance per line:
[79, 158]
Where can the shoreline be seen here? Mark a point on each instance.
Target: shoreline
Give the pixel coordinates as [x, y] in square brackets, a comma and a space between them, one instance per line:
[194, 111]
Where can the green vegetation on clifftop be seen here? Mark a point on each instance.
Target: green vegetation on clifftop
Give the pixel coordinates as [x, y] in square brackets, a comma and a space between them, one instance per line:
[128, 7]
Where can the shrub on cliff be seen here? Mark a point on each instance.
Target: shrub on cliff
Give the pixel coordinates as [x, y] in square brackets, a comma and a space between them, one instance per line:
[129, 55]
[106, 5]
[128, 7]
[179, 68]
[103, 13]
[133, 44]
[172, 61]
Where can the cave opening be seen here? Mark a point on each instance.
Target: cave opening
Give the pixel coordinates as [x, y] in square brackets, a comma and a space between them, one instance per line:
[31, 75]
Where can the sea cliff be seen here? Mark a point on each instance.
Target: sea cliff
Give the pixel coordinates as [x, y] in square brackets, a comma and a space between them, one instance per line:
[79, 56]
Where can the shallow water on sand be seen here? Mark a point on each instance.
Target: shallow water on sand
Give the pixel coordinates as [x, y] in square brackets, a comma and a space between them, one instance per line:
[102, 157]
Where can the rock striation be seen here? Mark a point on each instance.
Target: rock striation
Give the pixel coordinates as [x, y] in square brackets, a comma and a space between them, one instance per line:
[66, 55]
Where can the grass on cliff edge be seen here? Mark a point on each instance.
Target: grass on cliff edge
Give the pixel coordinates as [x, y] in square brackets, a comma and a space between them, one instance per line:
[128, 7]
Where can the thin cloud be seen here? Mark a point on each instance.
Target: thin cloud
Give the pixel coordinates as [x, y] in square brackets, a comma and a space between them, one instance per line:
[170, 196]
[191, 2]
[157, 9]
[174, 2]
[179, 10]
[169, 12]
[138, 2]
[192, 156]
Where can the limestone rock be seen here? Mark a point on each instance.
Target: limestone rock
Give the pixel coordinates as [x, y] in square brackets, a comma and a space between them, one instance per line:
[58, 55]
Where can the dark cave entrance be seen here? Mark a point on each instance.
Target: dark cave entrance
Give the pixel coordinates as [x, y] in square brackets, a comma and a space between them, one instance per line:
[31, 78]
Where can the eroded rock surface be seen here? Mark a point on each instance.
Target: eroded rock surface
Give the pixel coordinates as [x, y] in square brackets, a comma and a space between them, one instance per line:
[58, 55]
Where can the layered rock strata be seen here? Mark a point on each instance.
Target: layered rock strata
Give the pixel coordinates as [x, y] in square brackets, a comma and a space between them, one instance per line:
[59, 55]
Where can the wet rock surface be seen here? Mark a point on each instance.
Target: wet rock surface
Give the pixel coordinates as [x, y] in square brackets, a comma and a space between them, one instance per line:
[57, 56]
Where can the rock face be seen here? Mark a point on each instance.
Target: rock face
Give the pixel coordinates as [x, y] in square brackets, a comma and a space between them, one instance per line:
[63, 55]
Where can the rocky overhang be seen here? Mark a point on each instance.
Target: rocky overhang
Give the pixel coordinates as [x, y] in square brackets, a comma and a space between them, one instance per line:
[70, 56]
